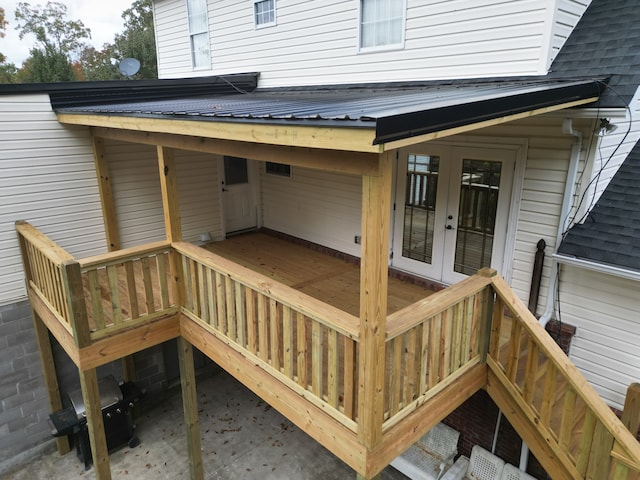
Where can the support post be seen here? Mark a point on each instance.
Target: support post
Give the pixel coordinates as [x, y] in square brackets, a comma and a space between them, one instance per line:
[49, 372]
[106, 195]
[190, 408]
[169, 188]
[631, 411]
[376, 212]
[97, 438]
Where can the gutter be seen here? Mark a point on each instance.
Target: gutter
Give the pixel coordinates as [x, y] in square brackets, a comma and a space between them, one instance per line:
[597, 267]
[569, 190]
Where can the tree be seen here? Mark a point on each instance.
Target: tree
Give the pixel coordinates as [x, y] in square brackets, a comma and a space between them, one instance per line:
[3, 27]
[136, 41]
[138, 38]
[60, 42]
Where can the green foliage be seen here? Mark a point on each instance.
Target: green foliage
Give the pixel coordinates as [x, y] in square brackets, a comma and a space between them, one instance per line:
[3, 27]
[53, 31]
[46, 66]
[138, 39]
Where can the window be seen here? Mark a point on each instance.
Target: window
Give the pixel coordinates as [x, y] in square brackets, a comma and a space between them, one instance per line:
[264, 13]
[199, 33]
[280, 169]
[382, 23]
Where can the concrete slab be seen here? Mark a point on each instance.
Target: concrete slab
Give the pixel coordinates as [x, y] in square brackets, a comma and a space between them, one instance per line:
[243, 438]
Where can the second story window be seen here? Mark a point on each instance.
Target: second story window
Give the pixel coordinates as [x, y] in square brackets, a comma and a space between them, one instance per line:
[382, 24]
[199, 33]
[264, 13]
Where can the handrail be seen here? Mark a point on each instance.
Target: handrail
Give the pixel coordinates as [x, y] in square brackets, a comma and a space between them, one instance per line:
[328, 315]
[578, 383]
[44, 244]
[118, 256]
[409, 317]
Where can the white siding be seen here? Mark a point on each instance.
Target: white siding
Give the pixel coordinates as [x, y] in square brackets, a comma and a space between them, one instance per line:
[47, 177]
[138, 201]
[321, 207]
[565, 17]
[606, 347]
[319, 45]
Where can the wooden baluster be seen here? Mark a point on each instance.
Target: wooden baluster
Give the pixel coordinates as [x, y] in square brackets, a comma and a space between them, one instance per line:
[230, 299]
[514, 350]
[263, 327]
[410, 368]
[221, 303]
[435, 329]
[252, 321]
[548, 394]
[287, 341]
[531, 374]
[96, 299]
[132, 289]
[240, 314]
[316, 358]
[332, 367]
[424, 357]
[586, 443]
[349, 376]
[566, 425]
[302, 350]
[211, 295]
[202, 291]
[162, 263]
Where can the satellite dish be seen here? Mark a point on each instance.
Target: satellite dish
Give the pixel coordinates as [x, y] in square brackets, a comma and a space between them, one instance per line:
[129, 67]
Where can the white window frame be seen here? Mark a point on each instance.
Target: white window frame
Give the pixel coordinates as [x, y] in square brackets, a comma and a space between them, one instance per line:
[255, 15]
[199, 33]
[391, 46]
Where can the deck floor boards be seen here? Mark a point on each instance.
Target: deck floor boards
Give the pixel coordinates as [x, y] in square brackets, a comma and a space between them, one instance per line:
[324, 277]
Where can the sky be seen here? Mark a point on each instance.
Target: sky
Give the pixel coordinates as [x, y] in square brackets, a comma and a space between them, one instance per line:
[102, 17]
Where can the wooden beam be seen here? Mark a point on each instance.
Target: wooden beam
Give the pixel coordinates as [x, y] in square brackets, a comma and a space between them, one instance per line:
[552, 459]
[169, 187]
[97, 438]
[332, 138]
[106, 195]
[406, 432]
[351, 163]
[190, 408]
[128, 342]
[376, 208]
[315, 422]
[405, 142]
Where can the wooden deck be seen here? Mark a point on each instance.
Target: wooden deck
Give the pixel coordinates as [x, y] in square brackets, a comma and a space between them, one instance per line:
[324, 277]
[283, 319]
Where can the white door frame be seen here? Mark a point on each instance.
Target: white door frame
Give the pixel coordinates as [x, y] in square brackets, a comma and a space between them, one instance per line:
[253, 188]
[507, 224]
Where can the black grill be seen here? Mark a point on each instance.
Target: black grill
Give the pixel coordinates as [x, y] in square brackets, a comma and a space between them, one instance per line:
[116, 403]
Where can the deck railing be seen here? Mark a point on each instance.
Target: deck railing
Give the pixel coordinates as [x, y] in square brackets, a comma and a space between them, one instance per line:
[433, 342]
[47, 269]
[583, 433]
[307, 344]
[127, 287]
[312, 347]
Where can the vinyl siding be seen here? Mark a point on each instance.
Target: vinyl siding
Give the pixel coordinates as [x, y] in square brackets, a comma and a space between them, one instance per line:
[565, 17]
[453, 39]
[321, 207]
[47, 177]
[138, 200]
[606, 347]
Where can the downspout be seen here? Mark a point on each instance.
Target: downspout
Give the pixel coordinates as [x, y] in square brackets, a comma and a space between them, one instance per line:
[569, 190]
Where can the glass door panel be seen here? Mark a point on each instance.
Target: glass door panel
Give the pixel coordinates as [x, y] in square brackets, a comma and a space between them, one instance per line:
[420, 206]
[478, 206]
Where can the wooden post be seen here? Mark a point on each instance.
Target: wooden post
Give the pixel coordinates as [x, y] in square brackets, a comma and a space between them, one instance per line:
[49, 372]
[488, 301]
[361, 477]
[97, 438]
[631, 412]
[190, 408]
[376, 208]
[106, 195]
[74, 294]
[169, 187]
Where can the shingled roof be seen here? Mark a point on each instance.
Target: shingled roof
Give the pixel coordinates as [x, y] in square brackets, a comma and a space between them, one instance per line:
[611, 233]
[605, 42]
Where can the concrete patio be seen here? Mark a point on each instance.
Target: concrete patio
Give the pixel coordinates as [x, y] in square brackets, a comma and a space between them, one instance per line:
[242, 438]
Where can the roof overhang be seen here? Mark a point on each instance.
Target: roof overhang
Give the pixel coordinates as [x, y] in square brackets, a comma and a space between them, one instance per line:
[371, 120]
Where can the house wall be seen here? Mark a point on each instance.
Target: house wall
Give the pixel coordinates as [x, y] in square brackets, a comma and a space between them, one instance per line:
[604, 309]
[138, 200]
[454, 39]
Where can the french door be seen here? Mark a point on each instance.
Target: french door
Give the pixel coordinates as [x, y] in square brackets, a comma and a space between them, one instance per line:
[451, 210]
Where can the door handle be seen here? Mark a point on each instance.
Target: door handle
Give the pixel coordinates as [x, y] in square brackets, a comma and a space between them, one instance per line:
[449, 227]
[225, 190]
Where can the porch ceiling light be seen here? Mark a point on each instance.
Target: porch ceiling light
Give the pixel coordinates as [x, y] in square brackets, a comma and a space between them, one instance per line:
[605, 127]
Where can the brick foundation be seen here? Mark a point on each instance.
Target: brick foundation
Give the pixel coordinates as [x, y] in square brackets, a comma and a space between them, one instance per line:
[562, 333]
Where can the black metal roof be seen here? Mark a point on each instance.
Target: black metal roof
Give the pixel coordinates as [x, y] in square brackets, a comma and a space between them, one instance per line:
[606, 41]
[611, 232]
[395, 113]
